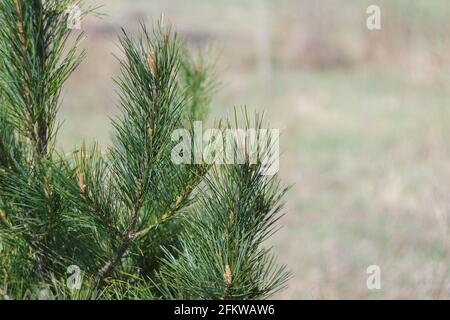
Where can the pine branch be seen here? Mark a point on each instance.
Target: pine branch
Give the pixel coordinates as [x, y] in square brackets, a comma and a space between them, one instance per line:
[33, 37]
[35, 69]
[26, 89]
[221, 254]
[152, 108]
[174, 207]
[111, 212]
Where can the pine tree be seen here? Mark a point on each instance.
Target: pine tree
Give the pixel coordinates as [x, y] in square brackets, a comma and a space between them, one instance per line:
[138, 225]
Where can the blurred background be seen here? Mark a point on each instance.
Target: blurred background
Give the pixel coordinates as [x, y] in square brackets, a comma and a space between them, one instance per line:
[364, 118]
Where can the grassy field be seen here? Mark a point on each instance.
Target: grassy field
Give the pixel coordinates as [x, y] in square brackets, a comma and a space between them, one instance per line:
[364, 118]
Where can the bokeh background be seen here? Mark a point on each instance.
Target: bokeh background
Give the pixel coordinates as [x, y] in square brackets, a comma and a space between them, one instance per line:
[364, 117]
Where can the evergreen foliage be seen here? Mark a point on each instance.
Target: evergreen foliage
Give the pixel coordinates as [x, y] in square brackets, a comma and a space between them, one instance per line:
[136, 224]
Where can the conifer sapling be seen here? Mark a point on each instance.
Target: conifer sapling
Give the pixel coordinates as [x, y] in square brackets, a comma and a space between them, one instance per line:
[137, 225]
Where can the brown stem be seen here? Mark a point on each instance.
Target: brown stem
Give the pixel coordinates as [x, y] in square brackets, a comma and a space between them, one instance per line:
[123, 247]
[39, 143]
[132, 235]
[38, 139]
[26, 88]
[168, 215]
[111, 264]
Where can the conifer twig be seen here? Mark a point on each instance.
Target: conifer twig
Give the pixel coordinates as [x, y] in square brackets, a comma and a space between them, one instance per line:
[26, 89]
[123, 247]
